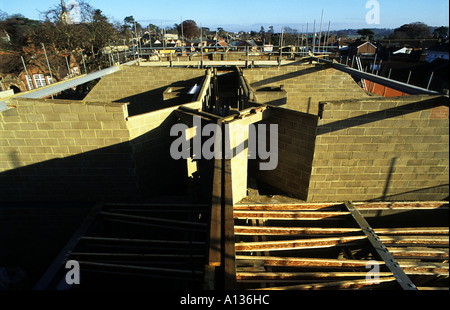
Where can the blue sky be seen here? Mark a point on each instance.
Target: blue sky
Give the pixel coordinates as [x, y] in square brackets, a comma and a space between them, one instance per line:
[235, 15]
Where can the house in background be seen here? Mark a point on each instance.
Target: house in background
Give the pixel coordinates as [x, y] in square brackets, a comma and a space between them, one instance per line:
[15, 76]
[360, 48]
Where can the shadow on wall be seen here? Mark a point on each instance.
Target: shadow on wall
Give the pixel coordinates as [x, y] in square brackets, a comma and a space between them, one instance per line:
[133, 171]
[287, 76]
[378, 115]
[439, 190]
[154, 99]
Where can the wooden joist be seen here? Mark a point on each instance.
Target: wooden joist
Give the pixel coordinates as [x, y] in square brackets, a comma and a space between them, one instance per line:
[288, 207]
[287, 276]
[102, 267]
[134, 256]
[145, 220]
[289, 215]
[419, 268]
[297, 244]
[298, 231]
[303, 262]
[419, 253]
[422, 205]
[413, 231]
[429, 241]
[347, 284]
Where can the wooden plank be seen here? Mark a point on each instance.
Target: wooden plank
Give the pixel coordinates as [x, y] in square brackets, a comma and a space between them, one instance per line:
[419, 253]
[348, 284]
[303, 262]
[268, 276]
[120, 241]
[427, 288]
[427, 268]
[87, 265]
[288, 215]
[287, 207]
[413, 231]
[145, 219]
[134, 256]
[297, 244]
[423, 205]
[215, 229]
[246, 230]
[421, 240]
[229, 251]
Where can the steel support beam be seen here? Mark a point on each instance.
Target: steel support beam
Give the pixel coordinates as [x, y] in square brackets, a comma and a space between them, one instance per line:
[400, 86]
[382, 251]
[60, 86]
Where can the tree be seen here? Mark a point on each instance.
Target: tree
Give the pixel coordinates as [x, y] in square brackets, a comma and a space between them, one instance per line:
[290, 30]
[417, 30]
[221, 32]
[189, 30]
[93, 34]
[19, 29]
[366, 33]
[441, 32]
[262, 32]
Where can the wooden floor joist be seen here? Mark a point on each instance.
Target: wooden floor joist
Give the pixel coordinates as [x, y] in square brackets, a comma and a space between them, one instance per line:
[287, 207]
[303, 262]
[289, 231]
[420, 240]
[347, 284]
[424, 205]
[419, 253]
[419, 268]
[289, 215]
[280, 276]
[413, 231]
[313, 243]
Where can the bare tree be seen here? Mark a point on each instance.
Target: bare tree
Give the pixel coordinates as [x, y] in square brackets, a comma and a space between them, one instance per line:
[190, 29]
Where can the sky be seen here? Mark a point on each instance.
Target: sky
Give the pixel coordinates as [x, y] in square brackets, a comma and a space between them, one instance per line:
[246, 15]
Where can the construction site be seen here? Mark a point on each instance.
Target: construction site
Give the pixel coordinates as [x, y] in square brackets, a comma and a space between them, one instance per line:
[358, 198]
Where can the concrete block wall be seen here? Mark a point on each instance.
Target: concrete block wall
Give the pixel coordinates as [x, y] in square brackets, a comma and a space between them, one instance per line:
[236, 168]
[157, 172]
[296, 138]
[133, 80]
[59, 149]
[382, 149]
[306, 85]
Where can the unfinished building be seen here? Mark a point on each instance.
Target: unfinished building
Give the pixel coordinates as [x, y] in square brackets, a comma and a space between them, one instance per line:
[292, 227]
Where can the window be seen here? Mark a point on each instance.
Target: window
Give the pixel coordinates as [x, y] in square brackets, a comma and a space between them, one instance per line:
[39, 79]
[49, 80]
[30, 82]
